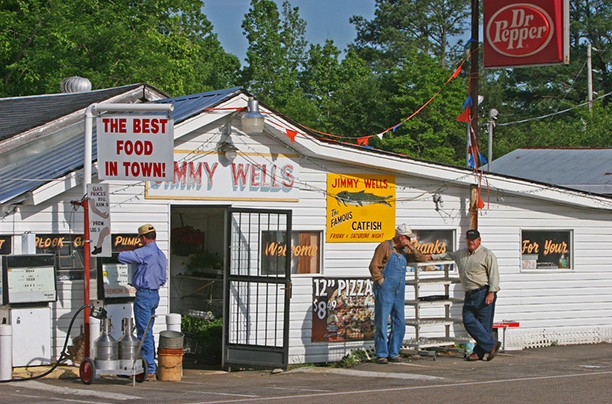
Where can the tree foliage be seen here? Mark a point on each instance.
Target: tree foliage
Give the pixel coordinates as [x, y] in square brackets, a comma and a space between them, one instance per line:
[167, 43]
[401, 25]
[399, 60]
[275, 52]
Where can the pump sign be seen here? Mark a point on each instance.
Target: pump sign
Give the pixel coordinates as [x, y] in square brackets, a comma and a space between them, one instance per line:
[135, 147]
[532, 32]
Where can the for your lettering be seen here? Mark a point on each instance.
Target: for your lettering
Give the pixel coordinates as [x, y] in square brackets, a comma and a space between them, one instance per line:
[555, 248]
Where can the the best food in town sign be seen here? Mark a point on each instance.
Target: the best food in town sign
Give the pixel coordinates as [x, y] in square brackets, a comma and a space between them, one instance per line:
[135, 147]
[533, 32]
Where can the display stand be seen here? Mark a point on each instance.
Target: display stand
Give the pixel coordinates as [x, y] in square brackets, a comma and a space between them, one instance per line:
[430, 345]
[194, 287]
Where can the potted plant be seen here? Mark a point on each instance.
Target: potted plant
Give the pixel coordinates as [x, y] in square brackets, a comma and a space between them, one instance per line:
[203, 263]
[186, 240]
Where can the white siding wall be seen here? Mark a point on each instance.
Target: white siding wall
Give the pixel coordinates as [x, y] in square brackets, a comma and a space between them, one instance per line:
[558, 300]
[58, 216]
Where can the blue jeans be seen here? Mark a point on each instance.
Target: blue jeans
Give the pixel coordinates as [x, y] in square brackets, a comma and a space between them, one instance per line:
[478, 320]
[145, 304]
[389, 301]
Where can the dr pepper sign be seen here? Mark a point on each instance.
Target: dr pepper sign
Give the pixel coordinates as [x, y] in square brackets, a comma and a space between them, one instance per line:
[135, 147]
[525, 33]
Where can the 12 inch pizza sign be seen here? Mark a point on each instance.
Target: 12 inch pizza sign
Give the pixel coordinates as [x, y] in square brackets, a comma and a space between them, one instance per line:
[521, 34]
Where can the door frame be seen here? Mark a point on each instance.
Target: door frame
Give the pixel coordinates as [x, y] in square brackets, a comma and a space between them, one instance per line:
[255, 350]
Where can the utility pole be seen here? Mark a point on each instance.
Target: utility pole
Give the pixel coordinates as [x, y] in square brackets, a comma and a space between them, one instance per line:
[474, 109]
[474, 80]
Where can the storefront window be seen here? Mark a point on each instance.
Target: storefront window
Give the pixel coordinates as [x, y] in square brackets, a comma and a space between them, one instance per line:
[305, 252]
[544, 249]
[68, 248]
[274, 252]
[5, 245]
[434, 242]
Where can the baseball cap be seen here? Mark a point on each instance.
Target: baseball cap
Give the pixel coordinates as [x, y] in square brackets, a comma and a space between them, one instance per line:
[405, 230]
[472, 234]
[145, 228]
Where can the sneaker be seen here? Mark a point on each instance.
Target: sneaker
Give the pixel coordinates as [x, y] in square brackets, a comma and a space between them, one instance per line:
[381, 360]
[395, 359]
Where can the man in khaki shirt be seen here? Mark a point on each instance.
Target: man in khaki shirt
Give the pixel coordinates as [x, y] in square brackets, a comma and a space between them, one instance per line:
[388, 270]
[480, 279]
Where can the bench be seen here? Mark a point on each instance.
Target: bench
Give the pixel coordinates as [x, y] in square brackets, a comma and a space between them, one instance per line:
[504, 325]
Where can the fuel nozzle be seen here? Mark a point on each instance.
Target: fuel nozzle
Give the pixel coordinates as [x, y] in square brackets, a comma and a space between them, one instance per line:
[98, 312]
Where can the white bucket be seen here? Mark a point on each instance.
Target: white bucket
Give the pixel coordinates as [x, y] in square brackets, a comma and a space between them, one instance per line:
[173, 322]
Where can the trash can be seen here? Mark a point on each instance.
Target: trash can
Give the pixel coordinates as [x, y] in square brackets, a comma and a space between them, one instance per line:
[170, 356]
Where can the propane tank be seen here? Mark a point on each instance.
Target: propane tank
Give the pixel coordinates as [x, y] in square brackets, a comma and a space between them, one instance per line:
[128, 344]
[107, 348]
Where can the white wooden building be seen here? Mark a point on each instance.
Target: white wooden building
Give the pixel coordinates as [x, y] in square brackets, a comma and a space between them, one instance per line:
[280, 184]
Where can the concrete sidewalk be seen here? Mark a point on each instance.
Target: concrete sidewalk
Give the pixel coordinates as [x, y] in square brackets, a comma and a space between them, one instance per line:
[553, 375]
[542, 360]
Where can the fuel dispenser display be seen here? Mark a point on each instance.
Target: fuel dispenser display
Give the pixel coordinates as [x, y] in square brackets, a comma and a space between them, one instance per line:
[29, 285]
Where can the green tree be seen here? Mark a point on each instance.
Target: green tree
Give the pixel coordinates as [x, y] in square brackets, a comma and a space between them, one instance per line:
[400, 25]
[275, 53]
[169, 44]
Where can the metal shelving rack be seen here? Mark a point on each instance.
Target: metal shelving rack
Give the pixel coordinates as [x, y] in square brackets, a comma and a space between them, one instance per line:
[429, 344]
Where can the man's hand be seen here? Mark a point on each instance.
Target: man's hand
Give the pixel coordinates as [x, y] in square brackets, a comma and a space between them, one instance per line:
[380, 281]
[490, 298]
[428, 257]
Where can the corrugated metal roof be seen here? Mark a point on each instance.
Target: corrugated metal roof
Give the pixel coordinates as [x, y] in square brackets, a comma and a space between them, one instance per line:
[191, 105]
[20, 114]
[54, 162]
[583, 168]
[30, 173]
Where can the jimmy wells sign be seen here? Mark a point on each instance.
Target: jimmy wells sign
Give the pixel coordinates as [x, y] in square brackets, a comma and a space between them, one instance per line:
[360, 208]
[210, 176]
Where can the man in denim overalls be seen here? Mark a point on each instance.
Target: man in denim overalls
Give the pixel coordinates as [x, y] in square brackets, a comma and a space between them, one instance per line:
[388, 269]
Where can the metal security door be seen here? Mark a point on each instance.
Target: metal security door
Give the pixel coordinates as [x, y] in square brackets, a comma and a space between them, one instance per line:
[257, 289]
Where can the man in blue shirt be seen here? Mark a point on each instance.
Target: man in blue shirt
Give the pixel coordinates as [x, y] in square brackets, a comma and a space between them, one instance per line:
[149, 266]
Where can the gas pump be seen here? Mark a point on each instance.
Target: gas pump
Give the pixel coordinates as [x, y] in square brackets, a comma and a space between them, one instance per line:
[29, 285]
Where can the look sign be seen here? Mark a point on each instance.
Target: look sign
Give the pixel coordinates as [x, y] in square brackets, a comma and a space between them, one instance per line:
[135, 147]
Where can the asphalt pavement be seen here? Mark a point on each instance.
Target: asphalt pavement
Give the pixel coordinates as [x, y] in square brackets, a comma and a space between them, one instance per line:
[560, 374]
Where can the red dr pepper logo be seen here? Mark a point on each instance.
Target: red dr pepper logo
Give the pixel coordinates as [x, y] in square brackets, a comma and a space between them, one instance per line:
[519, 30]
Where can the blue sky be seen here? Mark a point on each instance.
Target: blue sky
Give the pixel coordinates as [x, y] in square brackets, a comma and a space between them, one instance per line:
[325, 19]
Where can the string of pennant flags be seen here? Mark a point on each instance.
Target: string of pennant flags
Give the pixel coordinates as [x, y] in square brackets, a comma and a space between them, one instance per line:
[363, 140]
[465, 116]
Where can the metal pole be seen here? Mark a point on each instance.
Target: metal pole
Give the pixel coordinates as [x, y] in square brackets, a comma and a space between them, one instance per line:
[90, 113]
[86, 258]
[492, 116]
[490, 145]
[590, 76]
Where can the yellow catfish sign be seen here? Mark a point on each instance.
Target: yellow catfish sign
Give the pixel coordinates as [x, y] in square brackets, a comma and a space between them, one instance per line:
[360, 208]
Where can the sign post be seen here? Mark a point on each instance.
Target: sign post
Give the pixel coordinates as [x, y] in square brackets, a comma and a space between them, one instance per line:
[92, 111]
